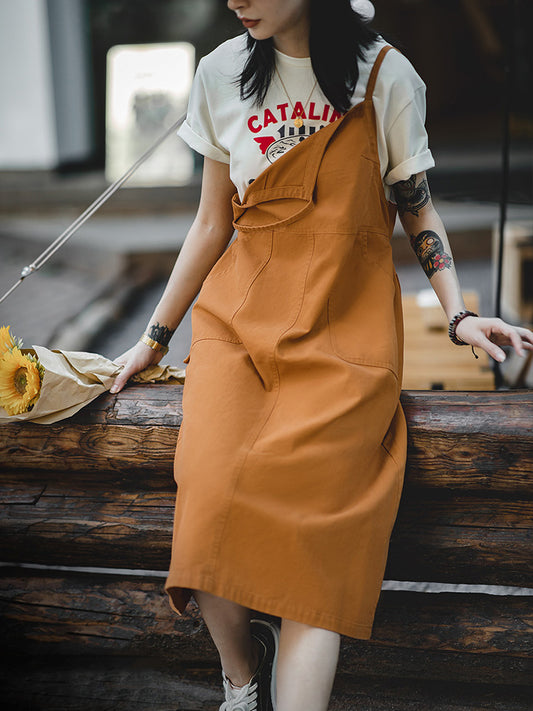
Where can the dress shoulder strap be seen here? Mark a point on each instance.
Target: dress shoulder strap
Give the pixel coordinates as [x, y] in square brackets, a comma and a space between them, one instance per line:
[374, 73]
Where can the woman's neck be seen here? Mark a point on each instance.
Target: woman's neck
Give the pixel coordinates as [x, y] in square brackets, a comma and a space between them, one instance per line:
[294, 42]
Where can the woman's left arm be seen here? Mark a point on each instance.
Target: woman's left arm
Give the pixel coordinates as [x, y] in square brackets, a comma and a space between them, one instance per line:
[429, 241]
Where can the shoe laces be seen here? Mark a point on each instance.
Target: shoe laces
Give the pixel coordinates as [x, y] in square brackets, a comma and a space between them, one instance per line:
[243, 698]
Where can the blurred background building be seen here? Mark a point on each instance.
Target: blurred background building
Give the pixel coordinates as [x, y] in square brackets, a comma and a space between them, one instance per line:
[475, 56]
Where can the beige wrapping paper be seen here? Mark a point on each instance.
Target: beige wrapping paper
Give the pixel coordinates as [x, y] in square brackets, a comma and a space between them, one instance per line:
[73, 379]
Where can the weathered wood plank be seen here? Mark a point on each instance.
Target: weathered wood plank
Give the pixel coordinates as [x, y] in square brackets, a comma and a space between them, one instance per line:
[458, 440]
[97, 482]
[77, 528]
[58, 613]
[72, 613]
[487, 624]
[485, 412]
[88, 447]
[470, 440]
[458, 555]
[422, 505]
[108, 519]
[148, 405]
[360, 658]
[469, 539]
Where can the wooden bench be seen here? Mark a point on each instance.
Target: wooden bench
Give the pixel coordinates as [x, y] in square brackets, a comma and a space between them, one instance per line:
[96, 491]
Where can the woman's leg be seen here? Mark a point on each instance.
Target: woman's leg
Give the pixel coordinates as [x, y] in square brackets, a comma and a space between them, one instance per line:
[307, 662]
[229, 626]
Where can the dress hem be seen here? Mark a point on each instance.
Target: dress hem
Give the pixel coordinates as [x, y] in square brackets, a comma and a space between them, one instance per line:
[180, 594]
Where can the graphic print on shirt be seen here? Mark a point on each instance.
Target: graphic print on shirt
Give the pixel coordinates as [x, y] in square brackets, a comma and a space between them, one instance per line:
[284, 133]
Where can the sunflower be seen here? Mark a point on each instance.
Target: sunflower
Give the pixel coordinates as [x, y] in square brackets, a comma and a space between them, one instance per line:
[20, 381]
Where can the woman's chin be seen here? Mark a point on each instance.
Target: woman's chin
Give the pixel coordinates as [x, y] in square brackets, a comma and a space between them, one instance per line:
[258, 34]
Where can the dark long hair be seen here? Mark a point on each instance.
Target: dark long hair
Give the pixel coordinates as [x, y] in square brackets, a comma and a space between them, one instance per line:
[337, 38]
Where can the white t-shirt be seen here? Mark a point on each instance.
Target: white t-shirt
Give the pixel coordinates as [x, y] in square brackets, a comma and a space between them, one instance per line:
[221, 126]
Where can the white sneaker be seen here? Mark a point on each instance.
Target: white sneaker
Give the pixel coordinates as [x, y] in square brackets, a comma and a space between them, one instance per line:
[260, 692]
[243, 698]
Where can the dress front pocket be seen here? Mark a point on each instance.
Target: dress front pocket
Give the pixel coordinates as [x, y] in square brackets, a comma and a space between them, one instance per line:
[362, 308]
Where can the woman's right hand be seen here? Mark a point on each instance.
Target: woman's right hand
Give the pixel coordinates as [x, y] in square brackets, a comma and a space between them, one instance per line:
[134, 360]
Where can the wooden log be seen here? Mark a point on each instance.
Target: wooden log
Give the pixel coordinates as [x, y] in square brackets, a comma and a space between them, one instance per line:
[135, 431]
[104, 519]
[90, 447]
[81, 613]
[458, 440]
[482, 638]
[469, 441]
[469, 539]
[93, 526]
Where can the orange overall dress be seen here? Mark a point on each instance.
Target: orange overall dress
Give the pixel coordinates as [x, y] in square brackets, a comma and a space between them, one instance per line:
[291, 455]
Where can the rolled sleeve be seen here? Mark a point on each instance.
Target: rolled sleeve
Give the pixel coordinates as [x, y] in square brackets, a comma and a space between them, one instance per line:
[201, 145]
[415, 164]
[199, 128]
[407, 141]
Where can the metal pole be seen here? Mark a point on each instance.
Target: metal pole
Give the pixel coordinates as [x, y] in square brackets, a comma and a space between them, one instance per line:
[509, 70]
[89, 212]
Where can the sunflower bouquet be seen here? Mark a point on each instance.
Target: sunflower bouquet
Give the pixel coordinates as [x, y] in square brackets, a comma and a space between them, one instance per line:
[46, 385]
[21, 375]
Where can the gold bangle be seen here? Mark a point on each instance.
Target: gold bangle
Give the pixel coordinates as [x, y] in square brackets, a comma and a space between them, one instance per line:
[154, 345]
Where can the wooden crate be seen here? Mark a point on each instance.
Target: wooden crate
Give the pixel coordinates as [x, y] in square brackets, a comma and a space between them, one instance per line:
[431, 360]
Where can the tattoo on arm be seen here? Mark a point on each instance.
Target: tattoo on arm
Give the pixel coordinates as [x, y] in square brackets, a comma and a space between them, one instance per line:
[161, 334]
[411, 197]
[430, 252]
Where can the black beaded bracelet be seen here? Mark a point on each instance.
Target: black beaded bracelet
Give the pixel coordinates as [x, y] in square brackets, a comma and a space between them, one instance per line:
[453, 326]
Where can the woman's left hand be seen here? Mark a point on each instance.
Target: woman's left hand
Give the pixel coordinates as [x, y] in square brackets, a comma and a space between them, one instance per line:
[489, 333]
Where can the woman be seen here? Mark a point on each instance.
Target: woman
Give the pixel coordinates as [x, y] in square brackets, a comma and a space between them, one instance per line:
[291, 454]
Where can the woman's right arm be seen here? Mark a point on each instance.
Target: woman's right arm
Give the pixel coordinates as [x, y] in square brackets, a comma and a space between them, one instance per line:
[206, 240]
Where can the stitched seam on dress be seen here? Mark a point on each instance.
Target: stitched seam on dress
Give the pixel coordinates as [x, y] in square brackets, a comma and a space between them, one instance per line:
[354, 360]
[375, 231]
[375, 262]
[213, 338]
[299, 310]
[269, 194]
[265, 421]
[213, 563]
[252, 281]
[329, 232]
[399, 483]
[371, 160]
[270, 225]
[363, 361]
[399, 480]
